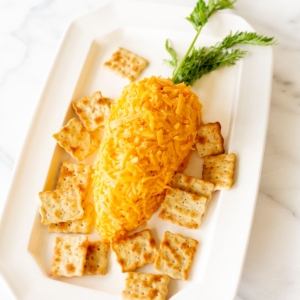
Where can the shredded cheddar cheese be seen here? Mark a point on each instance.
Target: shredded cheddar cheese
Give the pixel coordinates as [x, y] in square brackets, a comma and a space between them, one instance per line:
[149, 134]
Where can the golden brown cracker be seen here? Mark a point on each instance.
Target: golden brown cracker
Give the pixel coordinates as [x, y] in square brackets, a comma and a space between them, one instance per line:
[60, 206]
[145, 286]
[175, 255]
[69, 256]
[83, 225]
[76, 140]
[126, 64]
[209, 140]
[93, 110]
[75, 175]
[183, 208]
[134, 251]
[219, 170]
[96, 258]
[192, 185]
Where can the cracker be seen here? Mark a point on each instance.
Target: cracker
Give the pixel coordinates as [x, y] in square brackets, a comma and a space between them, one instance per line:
[96, 258]
[69, 256]
[192, 185]
[210, 140]
[83, 225]
[60, 206]
[134, 251]
[126, 64]
[76, 140]
[183, 208]
[145, 286]
[75, 175]
[219, 170]
[175, 255]
[93, 110]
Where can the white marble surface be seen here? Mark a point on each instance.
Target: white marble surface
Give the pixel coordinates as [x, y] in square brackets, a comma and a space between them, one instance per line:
[30, 31]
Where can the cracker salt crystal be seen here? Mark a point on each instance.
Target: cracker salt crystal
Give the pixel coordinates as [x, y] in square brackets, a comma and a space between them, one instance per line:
[60, 206]
[93, 110]
[96, 258]
[69, 256]
[209, 140]
[83, 225]
[192, 185]
[145, 286]
[126, 64]
[76, 140]
[219, 170]
[183, 208]
[134, 251]
[175, 255]
[75, 175]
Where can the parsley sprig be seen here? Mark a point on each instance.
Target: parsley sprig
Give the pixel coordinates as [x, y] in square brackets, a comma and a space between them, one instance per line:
[198, 62]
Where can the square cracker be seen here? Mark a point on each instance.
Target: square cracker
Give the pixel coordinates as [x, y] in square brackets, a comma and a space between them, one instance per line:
[134, 251]
[69, 256]
[93, 110]
[76, 140]
[75, 175]
[192, 185]
[83, 225]
[96, 258]
[143, 286]
[175, 255]
[209, 140]
[183, 208]
[219, 170]
[126, 64]
[60, 206]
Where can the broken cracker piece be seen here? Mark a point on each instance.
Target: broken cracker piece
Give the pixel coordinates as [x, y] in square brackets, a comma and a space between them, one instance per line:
[76, 140]
[69, 256]
[192, 185]
[96, 258]
[75, 175]
[83, 225]
[126, 64]
[219, 170]
[183, 208]
[175, 255]
[93, 110]
[60, 206]
[134, 251]
[145, 286]
[209, 140]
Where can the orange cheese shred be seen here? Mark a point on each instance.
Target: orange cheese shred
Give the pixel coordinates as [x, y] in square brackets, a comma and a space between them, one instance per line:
[149, 134]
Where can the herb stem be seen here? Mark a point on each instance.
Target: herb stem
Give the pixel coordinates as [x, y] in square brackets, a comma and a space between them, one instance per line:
[187, 54]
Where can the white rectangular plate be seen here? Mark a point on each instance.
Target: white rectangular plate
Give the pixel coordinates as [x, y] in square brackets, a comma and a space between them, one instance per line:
[237, 97]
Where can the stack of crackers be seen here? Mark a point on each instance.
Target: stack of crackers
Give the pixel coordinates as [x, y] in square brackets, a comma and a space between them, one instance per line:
[77, 256]
[186, 200]
[67, 208]
[173, 258]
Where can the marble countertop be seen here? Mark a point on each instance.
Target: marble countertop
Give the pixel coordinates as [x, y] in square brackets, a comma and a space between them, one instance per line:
[30, 32]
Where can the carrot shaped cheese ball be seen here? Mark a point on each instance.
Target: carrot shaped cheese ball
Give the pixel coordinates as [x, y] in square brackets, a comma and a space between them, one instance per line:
[151, 130]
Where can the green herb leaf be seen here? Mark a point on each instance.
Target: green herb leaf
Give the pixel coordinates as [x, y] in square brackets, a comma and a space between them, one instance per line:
[203, 11]
[205, 60]
[172, 62]
[251, 38]
[208, 59]
[200, 15]
[197, 62]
